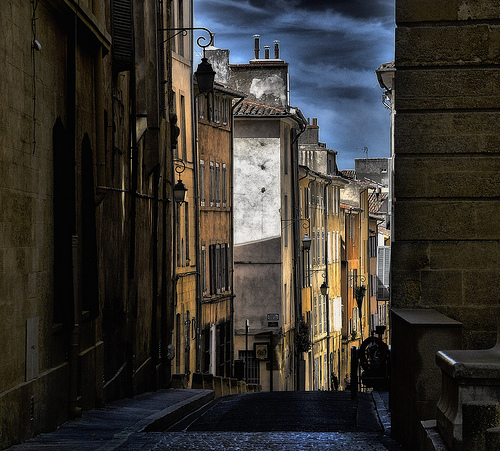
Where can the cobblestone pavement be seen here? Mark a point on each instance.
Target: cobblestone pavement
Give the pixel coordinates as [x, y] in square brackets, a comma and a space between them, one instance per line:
[272, 441]
[247, 422]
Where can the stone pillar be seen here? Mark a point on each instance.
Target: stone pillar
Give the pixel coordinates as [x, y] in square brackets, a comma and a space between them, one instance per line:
[415, 378]
[446, 238]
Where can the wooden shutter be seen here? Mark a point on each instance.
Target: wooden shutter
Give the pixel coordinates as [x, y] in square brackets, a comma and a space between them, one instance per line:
[122, 34]
[383, 268]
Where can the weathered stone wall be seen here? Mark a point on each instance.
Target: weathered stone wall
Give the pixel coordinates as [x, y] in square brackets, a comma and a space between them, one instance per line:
[446, 248]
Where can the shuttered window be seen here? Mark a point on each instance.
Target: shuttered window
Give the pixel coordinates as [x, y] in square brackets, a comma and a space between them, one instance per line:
[122, 34]
[383, 268]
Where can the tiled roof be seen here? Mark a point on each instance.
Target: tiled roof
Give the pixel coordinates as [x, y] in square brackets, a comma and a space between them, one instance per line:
[348, 174]
[249, 108]
[376, 204]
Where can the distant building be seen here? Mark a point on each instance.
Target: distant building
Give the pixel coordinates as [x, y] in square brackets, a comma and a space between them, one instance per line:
[265, 171]
[215, 176]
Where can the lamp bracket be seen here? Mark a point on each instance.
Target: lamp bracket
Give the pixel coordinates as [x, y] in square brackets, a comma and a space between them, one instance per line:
[179, 166]
[199, 41]
[289, 222]
[361, 278]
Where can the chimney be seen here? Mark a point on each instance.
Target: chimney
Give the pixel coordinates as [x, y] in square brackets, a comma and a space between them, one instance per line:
[257, 45]
[277, 50]
[266, 51]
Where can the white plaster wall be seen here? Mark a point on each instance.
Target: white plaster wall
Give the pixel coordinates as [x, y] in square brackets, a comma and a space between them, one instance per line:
[257, 189]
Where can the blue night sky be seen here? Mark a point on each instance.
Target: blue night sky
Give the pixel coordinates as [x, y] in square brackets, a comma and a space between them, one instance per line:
[333, 48]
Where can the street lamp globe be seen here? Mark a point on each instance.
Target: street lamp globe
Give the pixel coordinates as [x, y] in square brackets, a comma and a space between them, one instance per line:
[205, 76]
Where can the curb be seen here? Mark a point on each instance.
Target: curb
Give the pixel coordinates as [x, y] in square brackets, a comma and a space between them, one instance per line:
[167, 417]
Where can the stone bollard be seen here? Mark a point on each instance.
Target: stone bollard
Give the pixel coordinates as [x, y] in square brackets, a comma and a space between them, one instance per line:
[179, 381]
[226, 386]
[234, 386]
[208, 382]
[217, 384]
[478, 416]
[242, 387]
[197, 381]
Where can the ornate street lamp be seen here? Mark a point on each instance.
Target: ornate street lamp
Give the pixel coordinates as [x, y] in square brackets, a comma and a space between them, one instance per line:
[179, 189]
[205, 76]
[306, 242]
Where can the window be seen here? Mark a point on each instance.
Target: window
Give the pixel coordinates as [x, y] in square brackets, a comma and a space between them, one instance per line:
[202, 182]
[182, 126]
[286, 222]
[313, 247]
[178, 233]
[186, 231]
[307, 201]
[323, 247]
[210, 106]
[201, 107]
[324, 314]
[319, 251]
[219, 262]
[329, 247]
[315, 308]
[285, 157]
[212, 184]
[327, 197]
[337, 250]
[225, 110]
[320, 311]
[217, 108]
[203, 269]
[372, 246]
[383, 268]
[305, 268]
[252, 366]
[224, 189]
[217, 184]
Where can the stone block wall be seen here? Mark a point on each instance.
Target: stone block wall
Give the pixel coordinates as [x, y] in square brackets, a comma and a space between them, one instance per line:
[446, 249]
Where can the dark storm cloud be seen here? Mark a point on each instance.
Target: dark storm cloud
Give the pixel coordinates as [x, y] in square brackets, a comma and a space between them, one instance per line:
[364, 9]
[333, 48]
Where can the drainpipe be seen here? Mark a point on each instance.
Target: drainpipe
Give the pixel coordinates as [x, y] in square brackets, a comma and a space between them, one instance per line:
[231, 227]
[328, 369]
[199, 291]
[132, 295]
[301, 121]
[74, 337]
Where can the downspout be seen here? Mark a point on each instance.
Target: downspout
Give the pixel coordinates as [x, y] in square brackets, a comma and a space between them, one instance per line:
[362, 213]
[197, 227]
[325, 212]
[74, 337]
[296, 232]
[132, 295]
[231, 231]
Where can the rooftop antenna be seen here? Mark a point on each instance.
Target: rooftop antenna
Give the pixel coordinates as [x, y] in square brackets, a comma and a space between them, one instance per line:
[364, 149]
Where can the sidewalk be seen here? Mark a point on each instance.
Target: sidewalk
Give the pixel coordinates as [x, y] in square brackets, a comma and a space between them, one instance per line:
[123, 424]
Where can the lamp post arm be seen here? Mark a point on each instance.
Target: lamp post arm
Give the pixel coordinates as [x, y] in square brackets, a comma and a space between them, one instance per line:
[199, 41]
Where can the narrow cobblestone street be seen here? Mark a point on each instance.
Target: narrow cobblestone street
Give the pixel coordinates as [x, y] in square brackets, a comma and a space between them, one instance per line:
[194, 420]
[283, 421]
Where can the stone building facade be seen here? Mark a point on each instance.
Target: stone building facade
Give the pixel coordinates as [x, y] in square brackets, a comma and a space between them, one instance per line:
[86, 217]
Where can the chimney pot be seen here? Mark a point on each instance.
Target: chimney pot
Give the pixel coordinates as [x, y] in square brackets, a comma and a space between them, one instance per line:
[257, 45]
[315, 121]
[277, 50]
[266, 51]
